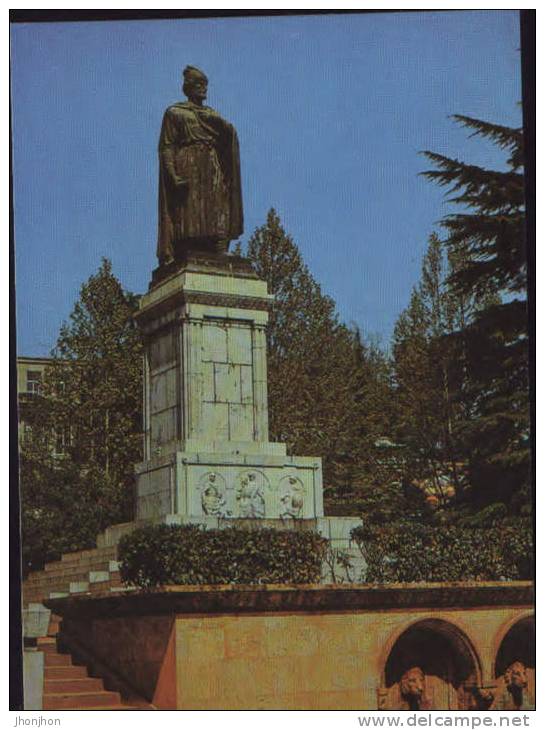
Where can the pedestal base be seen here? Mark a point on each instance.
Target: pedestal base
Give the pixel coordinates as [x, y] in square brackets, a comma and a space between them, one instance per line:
[253, 484]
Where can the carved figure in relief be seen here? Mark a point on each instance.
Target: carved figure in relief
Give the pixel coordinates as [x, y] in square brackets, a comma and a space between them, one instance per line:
[412, 688]
[476, 698]
[212, 500]
[292, 499]
[250, 497]
[516, 685]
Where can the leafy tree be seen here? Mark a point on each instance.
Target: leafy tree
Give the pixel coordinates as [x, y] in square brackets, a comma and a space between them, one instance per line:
[430, 376]
[320, 372]
[59, 509]
[77, 464]
[487, 242]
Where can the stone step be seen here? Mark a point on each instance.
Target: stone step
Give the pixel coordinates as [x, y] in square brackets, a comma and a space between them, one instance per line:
[80, 586]
[66, 588]
[88, 563]
[62, 685]
[98, 588]
[51, 582]
[105, 585]
[122, 589]
[104, 552]
[73, 571]
[47, 644]
[60, 565]
[68, 686]
[99, 576]
[80, 700]
[57, 660]
[72, 671]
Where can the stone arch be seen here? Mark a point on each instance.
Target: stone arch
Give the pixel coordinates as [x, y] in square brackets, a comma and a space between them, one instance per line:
[437, 656]
[520, 628]
[514, 664]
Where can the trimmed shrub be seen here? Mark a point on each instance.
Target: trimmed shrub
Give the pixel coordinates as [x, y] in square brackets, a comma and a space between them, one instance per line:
[161, 555]
[409, 552]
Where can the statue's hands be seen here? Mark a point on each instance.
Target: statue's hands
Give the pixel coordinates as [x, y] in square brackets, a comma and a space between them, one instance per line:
[181, 184]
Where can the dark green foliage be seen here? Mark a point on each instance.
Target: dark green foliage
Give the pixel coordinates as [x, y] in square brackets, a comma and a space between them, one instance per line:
[492, 234]
[384, 505]
[59, 510]
[92, 396]
[407, 552]
[486, 242]
[189, 555]
[429, 376]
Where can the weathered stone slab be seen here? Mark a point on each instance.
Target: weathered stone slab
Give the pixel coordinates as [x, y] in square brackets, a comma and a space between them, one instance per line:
[35, 620]
[33, 679]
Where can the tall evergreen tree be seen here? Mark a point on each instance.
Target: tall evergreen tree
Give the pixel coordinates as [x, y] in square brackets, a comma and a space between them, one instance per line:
[77, 464]
[429, 376]
[487, 241]
[319, 369]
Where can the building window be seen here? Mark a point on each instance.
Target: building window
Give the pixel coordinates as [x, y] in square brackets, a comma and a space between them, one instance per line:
[62, 440]
[34, 382]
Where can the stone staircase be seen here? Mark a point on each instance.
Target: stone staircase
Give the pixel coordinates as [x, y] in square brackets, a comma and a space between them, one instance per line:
[68, 686]
[87, 571]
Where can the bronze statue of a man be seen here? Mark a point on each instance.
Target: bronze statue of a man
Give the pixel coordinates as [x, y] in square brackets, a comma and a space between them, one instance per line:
[200, 201]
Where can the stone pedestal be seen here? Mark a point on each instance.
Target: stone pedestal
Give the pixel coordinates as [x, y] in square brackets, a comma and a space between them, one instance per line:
[207, 449]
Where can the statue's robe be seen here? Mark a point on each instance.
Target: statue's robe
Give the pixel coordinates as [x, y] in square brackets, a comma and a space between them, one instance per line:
[201, 149]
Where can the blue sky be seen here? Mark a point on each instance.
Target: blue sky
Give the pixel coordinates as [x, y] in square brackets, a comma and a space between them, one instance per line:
[331, 112]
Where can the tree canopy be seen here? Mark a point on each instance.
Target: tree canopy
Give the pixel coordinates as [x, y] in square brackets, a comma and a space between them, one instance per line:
[322, 374]
[486, 241]
[77, 462]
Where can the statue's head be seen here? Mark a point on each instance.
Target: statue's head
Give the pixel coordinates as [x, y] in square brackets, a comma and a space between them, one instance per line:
[515, 676]
[412, 683]
[195, 84]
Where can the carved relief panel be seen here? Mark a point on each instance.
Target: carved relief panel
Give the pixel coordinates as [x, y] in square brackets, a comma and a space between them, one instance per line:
[213, 491]
[291, 494]
[251, 492]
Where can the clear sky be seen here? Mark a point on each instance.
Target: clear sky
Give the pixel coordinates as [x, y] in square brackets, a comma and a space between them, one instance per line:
[331, 113]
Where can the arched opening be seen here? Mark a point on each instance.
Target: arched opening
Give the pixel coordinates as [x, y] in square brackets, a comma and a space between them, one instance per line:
[431, 666]
[515, 667]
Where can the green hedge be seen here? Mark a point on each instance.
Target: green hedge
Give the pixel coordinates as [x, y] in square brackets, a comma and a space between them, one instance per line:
[187, 554]
[409, 552]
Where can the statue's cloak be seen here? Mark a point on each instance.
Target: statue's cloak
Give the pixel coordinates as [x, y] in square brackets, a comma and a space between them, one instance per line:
[200, 198]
